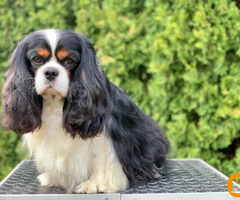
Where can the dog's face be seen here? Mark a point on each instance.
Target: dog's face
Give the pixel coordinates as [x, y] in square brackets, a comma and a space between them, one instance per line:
[53, 57]
[55, 63]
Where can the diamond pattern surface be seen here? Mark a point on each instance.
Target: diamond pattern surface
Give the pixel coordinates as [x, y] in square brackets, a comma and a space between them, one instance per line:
[178, 176]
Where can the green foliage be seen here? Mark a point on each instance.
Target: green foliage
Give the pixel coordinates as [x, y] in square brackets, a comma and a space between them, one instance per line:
[179, 60]
[10, 153]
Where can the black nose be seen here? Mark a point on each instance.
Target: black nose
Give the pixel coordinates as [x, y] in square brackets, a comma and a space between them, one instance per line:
[51, 73]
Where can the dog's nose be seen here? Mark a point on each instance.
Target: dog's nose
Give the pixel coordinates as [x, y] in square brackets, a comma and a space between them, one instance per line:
[51, 73]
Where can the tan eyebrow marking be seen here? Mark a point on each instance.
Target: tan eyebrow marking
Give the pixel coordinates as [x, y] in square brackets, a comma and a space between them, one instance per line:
[62, 53]
[43, 52]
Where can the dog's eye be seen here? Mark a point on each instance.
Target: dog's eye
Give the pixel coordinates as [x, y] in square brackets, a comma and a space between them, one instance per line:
[38, 60]
[69, 62]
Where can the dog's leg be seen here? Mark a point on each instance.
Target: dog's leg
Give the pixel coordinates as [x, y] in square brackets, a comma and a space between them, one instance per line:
[107, 174]
[44, 180]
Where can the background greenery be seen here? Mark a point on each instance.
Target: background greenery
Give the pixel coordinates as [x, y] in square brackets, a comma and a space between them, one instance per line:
[179, 60]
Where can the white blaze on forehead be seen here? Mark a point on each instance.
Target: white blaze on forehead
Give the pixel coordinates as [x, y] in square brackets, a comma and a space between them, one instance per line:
[52, 37]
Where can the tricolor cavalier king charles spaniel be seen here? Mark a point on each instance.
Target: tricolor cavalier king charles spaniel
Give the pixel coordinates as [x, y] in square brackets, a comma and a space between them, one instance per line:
[85, 134]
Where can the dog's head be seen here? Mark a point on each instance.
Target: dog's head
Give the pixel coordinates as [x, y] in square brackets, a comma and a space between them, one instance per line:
[59, 63]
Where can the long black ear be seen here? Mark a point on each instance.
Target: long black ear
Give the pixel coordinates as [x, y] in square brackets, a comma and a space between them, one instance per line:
[22, 105]
[87, 103]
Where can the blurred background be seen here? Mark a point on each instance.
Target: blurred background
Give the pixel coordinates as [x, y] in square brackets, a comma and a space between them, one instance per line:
[178, 60]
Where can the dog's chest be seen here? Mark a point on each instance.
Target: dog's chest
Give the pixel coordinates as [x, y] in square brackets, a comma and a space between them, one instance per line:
[55, 151]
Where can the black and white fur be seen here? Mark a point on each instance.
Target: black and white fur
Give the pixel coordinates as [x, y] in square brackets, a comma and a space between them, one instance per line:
[84, 133]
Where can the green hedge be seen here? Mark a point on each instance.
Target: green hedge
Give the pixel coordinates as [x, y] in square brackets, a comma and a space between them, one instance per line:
[179, 60]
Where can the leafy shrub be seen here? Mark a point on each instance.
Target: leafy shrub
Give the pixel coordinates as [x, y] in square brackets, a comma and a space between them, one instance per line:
[179, 60]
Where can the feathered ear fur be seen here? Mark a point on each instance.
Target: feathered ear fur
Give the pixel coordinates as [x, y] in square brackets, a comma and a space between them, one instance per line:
[22, 105]
[88, 101]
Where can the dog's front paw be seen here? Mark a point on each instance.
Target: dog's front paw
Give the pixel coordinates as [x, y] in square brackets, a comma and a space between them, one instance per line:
[86, 187]
[91, 186]
[44, 180]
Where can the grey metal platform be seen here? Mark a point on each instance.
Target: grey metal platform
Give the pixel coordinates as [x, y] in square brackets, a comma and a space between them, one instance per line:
[180, 179]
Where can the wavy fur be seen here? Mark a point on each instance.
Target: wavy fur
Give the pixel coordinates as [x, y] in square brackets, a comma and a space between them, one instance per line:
[22, 105]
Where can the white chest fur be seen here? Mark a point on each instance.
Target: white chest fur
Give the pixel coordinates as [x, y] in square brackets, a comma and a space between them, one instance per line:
[68, 161]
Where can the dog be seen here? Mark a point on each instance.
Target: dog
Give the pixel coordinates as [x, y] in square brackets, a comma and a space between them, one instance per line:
[84, 133]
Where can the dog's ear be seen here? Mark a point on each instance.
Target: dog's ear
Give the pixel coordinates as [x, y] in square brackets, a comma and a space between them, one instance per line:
[88, 101]
[22, 105]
